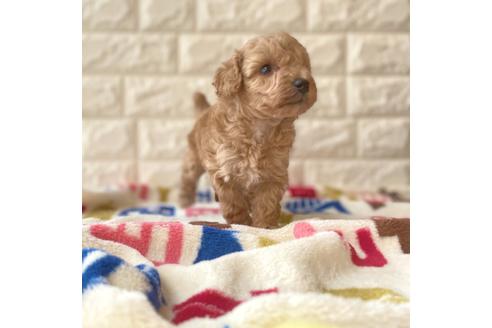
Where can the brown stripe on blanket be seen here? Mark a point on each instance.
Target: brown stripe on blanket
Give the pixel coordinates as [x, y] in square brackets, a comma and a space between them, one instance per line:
[395, 227]
[212, 224]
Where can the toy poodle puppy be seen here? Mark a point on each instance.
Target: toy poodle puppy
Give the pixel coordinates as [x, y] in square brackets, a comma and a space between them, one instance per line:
[243, 141]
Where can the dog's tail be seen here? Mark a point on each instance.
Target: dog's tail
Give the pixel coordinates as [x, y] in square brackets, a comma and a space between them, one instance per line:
[200, 102]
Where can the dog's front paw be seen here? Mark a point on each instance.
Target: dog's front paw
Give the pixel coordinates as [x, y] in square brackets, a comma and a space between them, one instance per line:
[266, 222]
[265, 225]
[238, 218]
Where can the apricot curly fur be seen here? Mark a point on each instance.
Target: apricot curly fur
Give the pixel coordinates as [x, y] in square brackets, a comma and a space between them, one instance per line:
[244, 139]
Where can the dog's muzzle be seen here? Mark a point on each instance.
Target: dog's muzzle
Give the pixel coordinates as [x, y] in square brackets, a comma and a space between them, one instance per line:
[301, 85]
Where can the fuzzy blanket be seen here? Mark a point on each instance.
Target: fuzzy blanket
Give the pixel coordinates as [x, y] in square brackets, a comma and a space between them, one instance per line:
[147, 263]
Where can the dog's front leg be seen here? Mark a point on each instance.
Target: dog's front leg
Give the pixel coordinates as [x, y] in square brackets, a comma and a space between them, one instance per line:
[233, 204]
[265, 204]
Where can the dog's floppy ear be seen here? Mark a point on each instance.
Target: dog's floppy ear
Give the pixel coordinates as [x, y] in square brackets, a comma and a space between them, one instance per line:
[228, 77]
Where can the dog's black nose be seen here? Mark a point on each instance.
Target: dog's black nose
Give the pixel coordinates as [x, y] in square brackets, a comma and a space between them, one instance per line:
[301, 85]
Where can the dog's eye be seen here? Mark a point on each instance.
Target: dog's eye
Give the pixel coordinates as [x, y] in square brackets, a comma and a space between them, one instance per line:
[265, 69]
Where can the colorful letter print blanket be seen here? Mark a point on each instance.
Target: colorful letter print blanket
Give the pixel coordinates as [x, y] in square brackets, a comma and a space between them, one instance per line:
[148, 270]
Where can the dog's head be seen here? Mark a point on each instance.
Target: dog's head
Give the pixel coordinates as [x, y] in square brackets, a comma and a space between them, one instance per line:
[271, 74]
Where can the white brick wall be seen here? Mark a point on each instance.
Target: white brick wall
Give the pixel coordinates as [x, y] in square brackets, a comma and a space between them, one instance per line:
[142, 59]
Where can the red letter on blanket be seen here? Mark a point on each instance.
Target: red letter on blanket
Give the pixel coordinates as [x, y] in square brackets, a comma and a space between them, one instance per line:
[373, 258]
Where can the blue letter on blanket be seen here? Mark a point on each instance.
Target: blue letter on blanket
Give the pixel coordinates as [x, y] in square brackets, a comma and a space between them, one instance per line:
[98, 265]
[216, 242]
[155, 210]
[306, 205]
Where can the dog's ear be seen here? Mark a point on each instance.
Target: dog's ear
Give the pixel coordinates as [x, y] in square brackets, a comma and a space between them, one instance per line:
[228, 78]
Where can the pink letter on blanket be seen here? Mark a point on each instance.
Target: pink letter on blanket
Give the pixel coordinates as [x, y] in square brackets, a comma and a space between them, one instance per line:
[303, 229]
[196, 211]
[119, 235]
[174, 243]
[141, 243]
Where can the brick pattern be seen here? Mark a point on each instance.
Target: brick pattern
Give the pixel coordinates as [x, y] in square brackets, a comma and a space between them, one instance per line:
[142, 59]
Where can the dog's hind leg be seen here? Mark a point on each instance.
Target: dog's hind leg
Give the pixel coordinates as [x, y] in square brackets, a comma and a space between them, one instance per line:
[191, 172]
